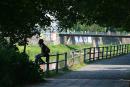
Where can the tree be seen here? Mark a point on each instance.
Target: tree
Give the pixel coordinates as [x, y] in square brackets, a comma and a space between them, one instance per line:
[84, 27]
[105, 12]
[19, 17]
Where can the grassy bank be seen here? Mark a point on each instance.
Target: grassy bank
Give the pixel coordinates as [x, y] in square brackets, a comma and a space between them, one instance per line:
[32, 50]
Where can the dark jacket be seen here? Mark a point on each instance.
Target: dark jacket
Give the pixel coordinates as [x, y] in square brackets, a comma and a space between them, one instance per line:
[44, 49]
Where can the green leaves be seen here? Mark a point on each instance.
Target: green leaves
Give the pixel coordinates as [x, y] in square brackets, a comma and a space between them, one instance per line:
[18, 17]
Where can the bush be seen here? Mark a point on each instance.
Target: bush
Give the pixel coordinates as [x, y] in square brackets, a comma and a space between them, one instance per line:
[16, 69]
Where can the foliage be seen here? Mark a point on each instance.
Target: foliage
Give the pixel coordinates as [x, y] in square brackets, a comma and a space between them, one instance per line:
[108, 13]
[3, 42]
[103, 12]
[18, 18]
[91, 28]
[16, 69]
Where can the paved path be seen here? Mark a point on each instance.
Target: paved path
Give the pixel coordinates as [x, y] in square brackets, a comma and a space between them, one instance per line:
[105, 73]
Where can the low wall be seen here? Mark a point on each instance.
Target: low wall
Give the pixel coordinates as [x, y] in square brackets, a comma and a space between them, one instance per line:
[54, 38]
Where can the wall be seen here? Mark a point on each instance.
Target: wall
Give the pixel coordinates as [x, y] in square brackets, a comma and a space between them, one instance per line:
[54, 38]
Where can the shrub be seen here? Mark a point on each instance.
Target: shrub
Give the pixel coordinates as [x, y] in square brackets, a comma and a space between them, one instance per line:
[16, 69]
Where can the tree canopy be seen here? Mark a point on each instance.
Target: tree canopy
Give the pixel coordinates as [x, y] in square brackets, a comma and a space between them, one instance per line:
[18, 18]
[104, 12]
[108, 13]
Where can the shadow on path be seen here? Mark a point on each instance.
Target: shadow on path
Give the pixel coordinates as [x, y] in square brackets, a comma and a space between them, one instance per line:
[113, 72]
[116, 68]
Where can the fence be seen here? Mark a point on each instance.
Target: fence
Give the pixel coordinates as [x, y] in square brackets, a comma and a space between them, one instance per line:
[63, 60]
[97, 53]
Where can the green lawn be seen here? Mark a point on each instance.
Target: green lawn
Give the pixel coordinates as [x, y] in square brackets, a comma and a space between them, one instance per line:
[33, 50]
